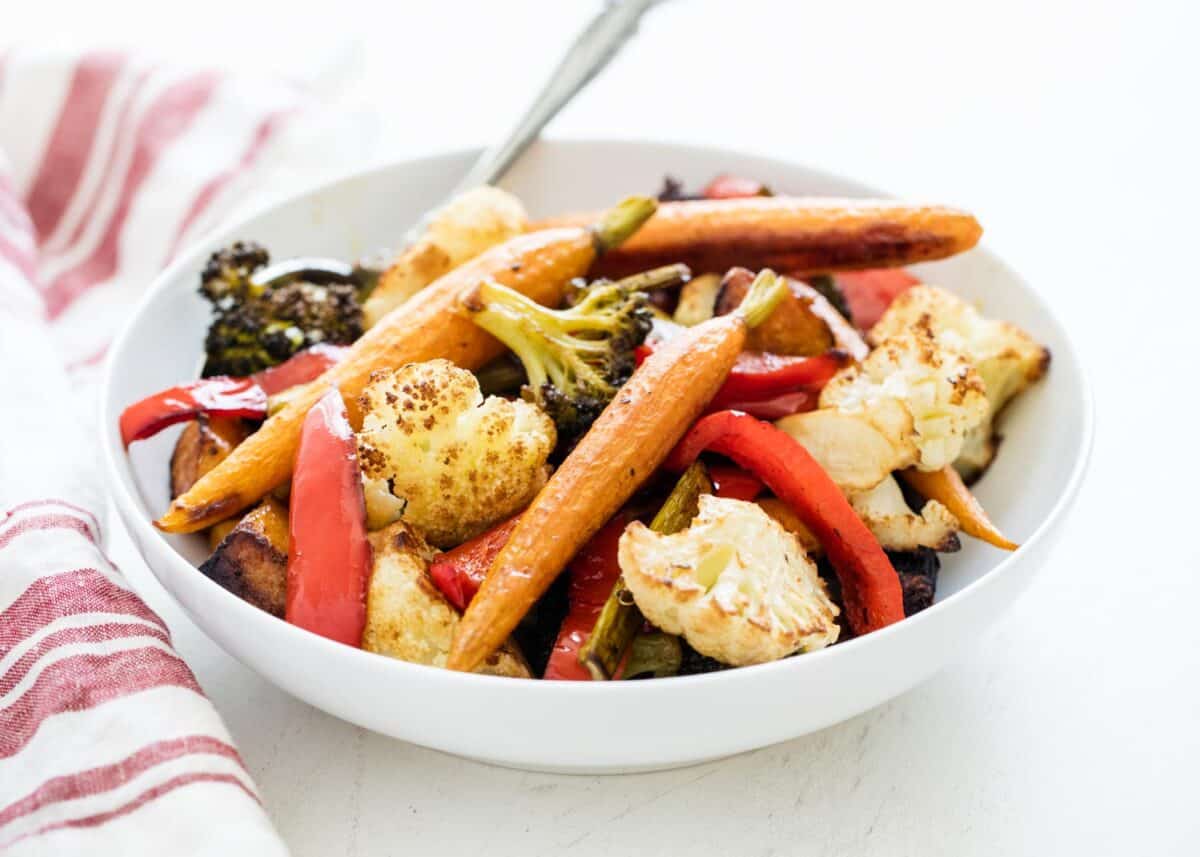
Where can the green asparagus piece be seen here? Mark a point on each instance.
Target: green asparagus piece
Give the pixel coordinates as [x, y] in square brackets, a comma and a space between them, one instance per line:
[619, 619]
[654, 655]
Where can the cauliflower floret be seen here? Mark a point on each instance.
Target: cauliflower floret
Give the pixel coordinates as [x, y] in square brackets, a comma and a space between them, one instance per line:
[895, 526]
[921, 394]
[855, 452]
[1007, 358]
[454, 462]
[735, 584]
[899, 528]
[407, 618]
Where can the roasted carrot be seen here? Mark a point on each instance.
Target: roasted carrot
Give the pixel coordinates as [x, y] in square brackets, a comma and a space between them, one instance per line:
[429, 326]
[793, 234]
[622, 449]
[948, 488]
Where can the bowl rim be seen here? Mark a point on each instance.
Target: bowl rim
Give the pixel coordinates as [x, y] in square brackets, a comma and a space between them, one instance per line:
[118, 469]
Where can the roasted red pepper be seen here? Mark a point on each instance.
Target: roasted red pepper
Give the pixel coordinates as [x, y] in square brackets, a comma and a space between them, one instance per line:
[302, 367]
[223, 396]
[460, 572]
[329, 560]
[771, 386]
[226, 397]
[760, 376]
[870, 586]
[733, 483]
[868, 294]
[592, 572]
[733, 187]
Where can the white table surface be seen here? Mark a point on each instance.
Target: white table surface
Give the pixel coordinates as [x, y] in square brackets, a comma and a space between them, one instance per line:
[1070, 128]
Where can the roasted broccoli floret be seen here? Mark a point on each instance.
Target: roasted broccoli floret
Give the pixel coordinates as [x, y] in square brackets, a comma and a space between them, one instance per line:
[260, 324]
[575, 358]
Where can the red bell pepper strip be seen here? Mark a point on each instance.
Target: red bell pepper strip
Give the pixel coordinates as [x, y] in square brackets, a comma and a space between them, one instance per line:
[733, 483]
[460, 572]
[302, 367]
[759, 376]
[733, 187]
[868, 294]
[760, 380]
[870, 586]
[224, 396]
[592, 572]
[329, 562]
[221, 396]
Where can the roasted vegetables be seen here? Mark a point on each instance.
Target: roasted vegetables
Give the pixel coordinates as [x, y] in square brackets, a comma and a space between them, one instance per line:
[231, 398]
[1007, 358]
[946, 488]
[257, 325]
[467, 226]
[868, 582]
[457, 463]
[574, 358]
[591, 576]
[618, 621]
[622, 449]
[793, 234]
[251, 561]
[539, 265]
[735, 584]
[504, 409]
[920, 394]
[407, 618]
[330, 560]
[203, 445]
[459, 573]
[899, 528]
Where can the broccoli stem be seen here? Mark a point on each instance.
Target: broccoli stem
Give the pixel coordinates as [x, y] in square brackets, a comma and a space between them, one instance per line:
[621, 221]
[763, 296]
[620, 620]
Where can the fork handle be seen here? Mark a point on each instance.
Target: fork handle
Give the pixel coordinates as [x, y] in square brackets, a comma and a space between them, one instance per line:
[592, 50]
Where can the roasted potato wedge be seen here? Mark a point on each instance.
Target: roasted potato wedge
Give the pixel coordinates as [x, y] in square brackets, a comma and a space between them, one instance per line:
[804, 323]
[251, 561]
[697, 299]
[203, 445]
[469, 224]
[407, 617]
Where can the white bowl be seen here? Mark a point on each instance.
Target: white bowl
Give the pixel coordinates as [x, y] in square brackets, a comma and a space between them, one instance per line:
[593, 727]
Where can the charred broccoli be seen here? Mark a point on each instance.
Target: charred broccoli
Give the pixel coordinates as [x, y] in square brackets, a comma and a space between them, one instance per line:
[260, 324]
[574, 358]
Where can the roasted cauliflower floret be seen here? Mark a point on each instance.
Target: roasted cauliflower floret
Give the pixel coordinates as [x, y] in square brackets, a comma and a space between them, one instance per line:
[899, 528]
[407, 618]
[1007, 358]
[855, 452]
[922, 394]
[735, 584]
[451, 463]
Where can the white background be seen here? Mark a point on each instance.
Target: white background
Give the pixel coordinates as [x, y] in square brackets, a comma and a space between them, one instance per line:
[1070, 129]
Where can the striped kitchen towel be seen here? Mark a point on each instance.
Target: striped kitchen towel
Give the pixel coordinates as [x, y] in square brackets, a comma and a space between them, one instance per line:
[108, 166]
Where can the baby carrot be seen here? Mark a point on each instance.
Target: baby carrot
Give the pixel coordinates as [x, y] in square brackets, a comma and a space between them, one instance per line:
[620, 451]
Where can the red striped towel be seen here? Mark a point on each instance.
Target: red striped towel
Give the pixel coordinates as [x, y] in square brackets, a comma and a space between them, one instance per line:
[108, 165]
